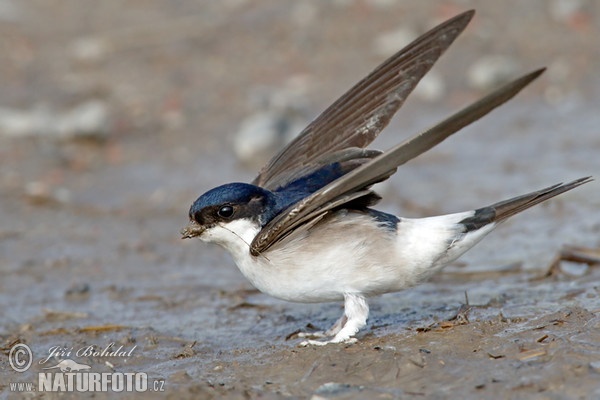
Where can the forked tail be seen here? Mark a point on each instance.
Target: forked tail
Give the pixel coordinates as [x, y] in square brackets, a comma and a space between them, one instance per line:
[502, 210]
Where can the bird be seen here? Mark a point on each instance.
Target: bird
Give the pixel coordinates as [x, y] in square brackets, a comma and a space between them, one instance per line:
[305, 230]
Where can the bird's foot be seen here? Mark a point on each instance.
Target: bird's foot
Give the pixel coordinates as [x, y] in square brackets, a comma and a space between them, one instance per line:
[334, 330]
[312, 335]
[309, 342]
[355, 315]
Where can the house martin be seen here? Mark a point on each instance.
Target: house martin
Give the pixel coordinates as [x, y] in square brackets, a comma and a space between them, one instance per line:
[305, 231]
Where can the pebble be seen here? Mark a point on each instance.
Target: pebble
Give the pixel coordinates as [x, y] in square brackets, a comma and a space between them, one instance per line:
[303, 14]
[389, 43]
[280, 117]
[89, 119]
[265, 132]
[574, 268]
[89, 50]
[329, 389]
[9, 10]
[40, 192]
[563, 10]
[383, 4]
[491, 71]
[431, 88]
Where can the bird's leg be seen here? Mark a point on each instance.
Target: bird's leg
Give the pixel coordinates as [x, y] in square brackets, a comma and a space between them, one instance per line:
[339, 324]
[356, 311]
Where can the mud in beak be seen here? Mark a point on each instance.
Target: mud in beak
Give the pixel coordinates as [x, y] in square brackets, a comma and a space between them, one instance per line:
[192, 230]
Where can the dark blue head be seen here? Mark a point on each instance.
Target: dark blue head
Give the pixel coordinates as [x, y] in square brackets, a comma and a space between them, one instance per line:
[233, 201]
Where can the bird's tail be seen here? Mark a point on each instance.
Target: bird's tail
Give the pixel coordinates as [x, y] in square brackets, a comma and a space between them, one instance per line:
[502, 210]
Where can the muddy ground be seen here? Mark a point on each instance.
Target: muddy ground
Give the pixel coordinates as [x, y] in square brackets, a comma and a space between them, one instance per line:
[114, 118]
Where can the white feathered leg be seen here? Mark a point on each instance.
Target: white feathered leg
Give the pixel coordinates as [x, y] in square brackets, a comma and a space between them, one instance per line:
[356, 312]
[339, 324]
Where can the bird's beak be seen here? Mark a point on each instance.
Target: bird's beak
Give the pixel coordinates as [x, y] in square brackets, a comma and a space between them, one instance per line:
[192, 230]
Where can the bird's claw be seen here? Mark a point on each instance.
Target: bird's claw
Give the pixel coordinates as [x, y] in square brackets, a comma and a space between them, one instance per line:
[312, 335]
[309, 342]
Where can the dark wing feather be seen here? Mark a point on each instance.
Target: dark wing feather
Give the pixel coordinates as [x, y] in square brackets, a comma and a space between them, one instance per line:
[380, 167]
[357, 117]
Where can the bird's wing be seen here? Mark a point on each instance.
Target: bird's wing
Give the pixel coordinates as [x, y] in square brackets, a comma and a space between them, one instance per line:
[356, 118]
[354, 183]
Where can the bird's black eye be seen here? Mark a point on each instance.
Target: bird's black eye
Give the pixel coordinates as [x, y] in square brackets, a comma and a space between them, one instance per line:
[225, 212]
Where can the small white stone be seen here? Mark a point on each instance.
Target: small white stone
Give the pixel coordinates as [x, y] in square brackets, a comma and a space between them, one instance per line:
[490, 71]
[389, 43]
[431, 88]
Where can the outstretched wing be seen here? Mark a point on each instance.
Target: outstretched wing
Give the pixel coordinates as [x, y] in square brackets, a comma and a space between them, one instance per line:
[355, 183]
[356, 118]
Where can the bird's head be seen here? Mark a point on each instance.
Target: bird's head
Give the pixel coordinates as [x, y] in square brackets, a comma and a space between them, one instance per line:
[229, 213]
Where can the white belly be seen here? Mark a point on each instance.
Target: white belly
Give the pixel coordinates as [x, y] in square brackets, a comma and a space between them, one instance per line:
[349, 253]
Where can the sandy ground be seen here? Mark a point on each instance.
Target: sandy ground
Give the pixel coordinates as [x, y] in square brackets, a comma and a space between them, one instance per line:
[113, 120]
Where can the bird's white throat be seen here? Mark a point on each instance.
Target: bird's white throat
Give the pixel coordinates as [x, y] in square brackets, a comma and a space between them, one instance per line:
[235, 236]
